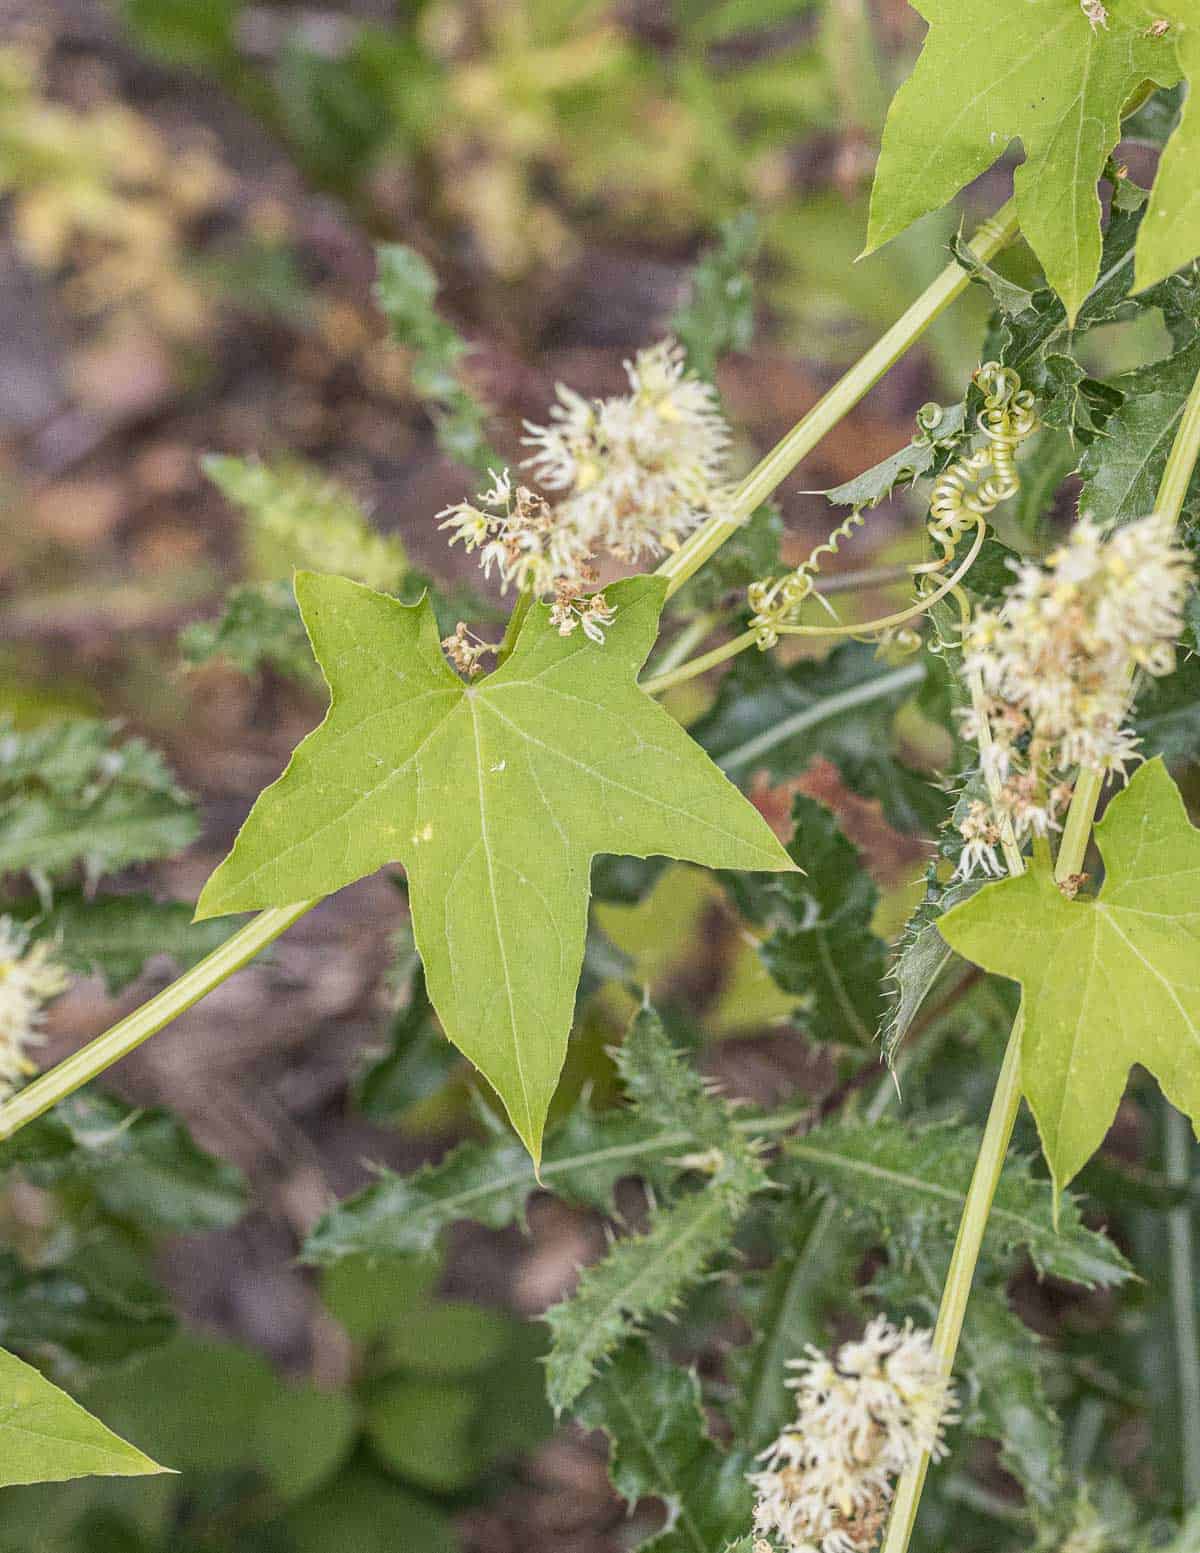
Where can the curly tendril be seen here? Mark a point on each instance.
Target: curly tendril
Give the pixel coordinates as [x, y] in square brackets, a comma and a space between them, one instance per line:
[963, 497]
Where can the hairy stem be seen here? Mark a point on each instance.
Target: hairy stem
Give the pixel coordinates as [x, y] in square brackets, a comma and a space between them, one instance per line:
[129, 1033]
[834, 406]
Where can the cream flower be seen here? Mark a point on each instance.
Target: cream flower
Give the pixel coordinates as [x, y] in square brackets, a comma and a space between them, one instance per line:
[29, 978]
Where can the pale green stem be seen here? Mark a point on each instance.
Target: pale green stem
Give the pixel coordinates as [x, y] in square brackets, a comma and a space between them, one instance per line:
[986, 1177]
[993, 235]
[688, 639]
[91, 1060]
[1181, 1249]
[1007, 1099]
[701, 665]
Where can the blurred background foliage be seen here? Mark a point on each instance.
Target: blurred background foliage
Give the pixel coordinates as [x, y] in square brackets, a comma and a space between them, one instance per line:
[198, 392]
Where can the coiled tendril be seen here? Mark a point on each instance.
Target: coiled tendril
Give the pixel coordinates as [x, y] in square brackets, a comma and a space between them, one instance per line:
[963, 496]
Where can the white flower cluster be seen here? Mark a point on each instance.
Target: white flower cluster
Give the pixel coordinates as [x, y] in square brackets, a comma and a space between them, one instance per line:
[637, 472]
[630, 475]
[1057, 662]
[861, 1419]
[29, 977]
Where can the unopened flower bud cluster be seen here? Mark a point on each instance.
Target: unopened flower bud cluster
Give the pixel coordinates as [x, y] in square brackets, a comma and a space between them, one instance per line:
[862, 1418]
[631, 475]
[1057, 663]
[29, 978]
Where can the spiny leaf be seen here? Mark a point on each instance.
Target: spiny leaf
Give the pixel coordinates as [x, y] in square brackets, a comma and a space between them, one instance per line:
[766, 718]
[298, 517]
[97, 1305]
[1122, 470]
[659, 1449]
[70, 795]
[664, 1088]
[259, 628]
[406, 290]
[644, 1276]
[116, 936]
[495, 796]
[1040, 71]
[45, 1437]
[891, 1171]
[1007, 1400]
[718, 316]
[1109, 981]
[1167, 712]
[921, 957]
[784, 1307]
[901, 468]
[822, 947]
[489, 1183]
[142, 1165]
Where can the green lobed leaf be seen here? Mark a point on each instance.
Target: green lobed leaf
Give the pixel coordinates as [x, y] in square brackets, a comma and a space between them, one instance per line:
[495, 796]
[142, 1165]
[1041, 72]
[45, 1437]
[299, 517]
[71, 796]
[1122, 470]
[1167, 712]
[659, 1448]
[822, 947]
[1108, 981]
[116, 936]
[901, 468]
[774, 719]
[891, 1170]
[1171, 235]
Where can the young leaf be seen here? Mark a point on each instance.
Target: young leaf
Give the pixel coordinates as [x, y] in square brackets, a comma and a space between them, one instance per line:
[1040, 71]
[659, 1449]
[115, 936]
[1171, 235]
[495, 796]
[899, 469]
[766, 718]
[45, 1437]
[1109, 981]
[891, 1170]
[922, 956]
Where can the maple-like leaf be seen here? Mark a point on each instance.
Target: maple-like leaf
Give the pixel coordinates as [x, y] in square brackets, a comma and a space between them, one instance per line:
[1041, 72]
[1109, 981]
[495, 796]
[1170, 234]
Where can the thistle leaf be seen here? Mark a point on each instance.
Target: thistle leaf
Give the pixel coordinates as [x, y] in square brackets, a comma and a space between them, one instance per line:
[659, 1449]
[892, 1171]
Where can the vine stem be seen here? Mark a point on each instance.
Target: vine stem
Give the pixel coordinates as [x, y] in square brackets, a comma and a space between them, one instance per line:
[1077, 829]
[993, 234]
[129, 1033]
[1181, 1247]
